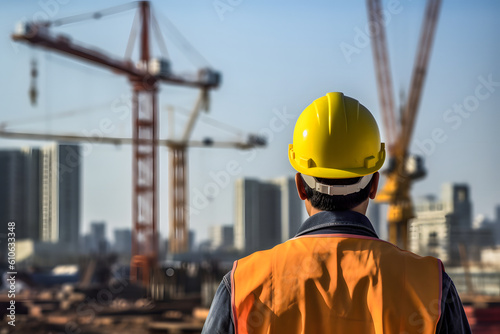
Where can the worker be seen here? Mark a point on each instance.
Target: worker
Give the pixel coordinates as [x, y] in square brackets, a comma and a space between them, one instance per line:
[336, 275]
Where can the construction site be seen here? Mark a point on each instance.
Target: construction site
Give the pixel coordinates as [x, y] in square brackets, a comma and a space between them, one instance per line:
[137, 136]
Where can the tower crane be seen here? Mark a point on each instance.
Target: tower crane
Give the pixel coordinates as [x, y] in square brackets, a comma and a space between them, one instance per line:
[404, 168]
[144, 77]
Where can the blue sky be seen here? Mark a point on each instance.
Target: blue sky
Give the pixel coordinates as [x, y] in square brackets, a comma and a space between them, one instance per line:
[275, 58]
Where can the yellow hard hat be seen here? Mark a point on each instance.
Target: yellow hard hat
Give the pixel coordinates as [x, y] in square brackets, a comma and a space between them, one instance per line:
[336, 137]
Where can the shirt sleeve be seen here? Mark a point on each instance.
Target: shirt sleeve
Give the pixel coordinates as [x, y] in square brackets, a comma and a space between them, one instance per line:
[453, 318]
[219, 320]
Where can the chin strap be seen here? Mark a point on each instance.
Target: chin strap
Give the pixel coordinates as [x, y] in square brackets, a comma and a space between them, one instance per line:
[337, 189]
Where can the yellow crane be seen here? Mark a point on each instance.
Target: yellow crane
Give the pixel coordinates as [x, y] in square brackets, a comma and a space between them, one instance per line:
[404, 168]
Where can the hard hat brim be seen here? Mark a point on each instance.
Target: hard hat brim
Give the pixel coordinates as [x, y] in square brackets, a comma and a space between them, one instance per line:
[334, 173]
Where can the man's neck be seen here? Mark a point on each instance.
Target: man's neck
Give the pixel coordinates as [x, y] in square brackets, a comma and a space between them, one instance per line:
[360, 208]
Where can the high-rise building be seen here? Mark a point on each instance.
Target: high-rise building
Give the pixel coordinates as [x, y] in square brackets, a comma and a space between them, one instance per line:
[191, 240]
[10, 181]
[267, 213]
[496, 224]
[60, 188]
[492, 226]
[98, 236]
[429, 231]
[49, 229]
[123, 241]
[32, 193]
[455, 199]
[373, 214]
[291, 207]
[443, 228]
[95, 242]
[19, 181]
[69, 192]
[258, 209]
[221, 237]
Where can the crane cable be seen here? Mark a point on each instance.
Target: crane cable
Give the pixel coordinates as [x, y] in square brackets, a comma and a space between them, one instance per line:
[92, 15]
[208, 120]
[191, 53]
[160, 39]
[132, 36]
[52, 116]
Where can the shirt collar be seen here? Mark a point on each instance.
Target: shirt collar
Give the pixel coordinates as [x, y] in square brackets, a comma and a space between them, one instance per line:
[332, 219]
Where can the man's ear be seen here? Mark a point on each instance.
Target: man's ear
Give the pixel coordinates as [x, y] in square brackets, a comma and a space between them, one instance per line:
[373, 190]
[299, 182]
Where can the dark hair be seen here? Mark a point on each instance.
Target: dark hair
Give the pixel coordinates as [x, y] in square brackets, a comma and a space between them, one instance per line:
[327, 202]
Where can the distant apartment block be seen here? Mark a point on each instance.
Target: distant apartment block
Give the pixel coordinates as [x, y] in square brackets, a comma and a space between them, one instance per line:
[192, 240]
[60, 193]
[373, 213]
[123, 241]
[443, 228]
[493, 225]
[19, 181]
[291, 207]
[429, 231]
[221, 237]
[98, 235]
[267, 213]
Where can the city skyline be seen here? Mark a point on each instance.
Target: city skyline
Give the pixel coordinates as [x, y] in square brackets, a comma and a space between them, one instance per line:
[39, 155]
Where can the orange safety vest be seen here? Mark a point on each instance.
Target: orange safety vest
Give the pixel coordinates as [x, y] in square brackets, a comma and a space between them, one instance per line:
[336, 284]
